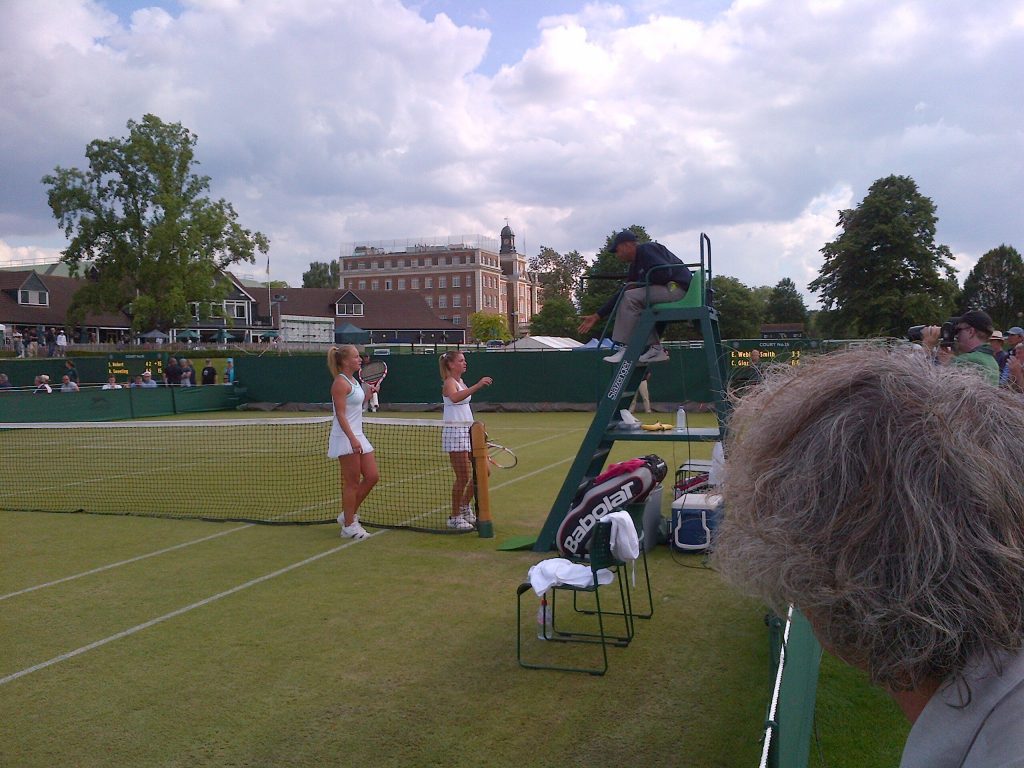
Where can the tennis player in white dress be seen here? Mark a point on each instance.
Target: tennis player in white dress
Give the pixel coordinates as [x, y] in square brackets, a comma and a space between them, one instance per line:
[348, 444]
[455, 440]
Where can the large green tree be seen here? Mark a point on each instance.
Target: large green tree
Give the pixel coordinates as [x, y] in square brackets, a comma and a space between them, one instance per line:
[785, 304]
[556, 318]
[596, 292]
[140, 218]
[322, 275]
[560, 275]
[739, 308]
[487, 326]
[885, 272]
[996, 285]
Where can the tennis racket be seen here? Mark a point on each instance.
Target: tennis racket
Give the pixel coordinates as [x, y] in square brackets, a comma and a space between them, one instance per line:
[500, 456]
[374, 373]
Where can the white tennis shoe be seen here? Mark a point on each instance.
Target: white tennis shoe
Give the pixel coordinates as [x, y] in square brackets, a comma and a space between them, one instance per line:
[354, 531]
[656, 354]
[459, 523]
[616, 357]
[468, 514]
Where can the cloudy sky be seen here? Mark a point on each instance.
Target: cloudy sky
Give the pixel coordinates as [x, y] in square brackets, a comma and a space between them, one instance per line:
[331, 121]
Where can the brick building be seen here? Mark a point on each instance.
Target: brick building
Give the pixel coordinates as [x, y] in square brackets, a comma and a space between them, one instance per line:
[456, 276]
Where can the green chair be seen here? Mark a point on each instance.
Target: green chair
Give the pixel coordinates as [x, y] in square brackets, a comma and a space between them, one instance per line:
[600, 558]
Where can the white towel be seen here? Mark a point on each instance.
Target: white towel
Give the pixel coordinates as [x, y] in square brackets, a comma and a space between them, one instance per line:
[625, 543]
[557, 570]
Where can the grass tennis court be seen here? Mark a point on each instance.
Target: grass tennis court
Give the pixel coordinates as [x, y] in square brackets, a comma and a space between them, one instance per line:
[154, 642]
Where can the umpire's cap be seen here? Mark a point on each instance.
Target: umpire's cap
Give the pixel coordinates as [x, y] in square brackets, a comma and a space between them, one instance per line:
[625, 236]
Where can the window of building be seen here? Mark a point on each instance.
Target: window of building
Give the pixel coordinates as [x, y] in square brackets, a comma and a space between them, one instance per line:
[387, 285]
[34, 298]
[456, 319]
[415, 283]
[442, 282]
[401, 284]
[349, 309]
[442, 302]
[457, 300]
[362, 285]
[428, 282]
[236, 309]
[430, 301]
[469, 281]
[456, 281]
[375, 285]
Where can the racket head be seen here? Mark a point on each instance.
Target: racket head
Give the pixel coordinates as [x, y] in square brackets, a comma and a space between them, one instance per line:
[500, 456]
[374, 372]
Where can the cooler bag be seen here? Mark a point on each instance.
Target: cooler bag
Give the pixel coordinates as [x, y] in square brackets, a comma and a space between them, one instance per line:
[695, 516]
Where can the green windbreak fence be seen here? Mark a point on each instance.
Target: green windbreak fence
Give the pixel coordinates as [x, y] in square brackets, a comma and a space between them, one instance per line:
[519, 377]
[94, 404]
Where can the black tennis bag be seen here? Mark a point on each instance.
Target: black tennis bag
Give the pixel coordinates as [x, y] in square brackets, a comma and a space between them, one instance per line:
[622, 484]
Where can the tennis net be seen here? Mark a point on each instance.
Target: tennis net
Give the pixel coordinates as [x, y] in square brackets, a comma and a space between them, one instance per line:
[251, 470]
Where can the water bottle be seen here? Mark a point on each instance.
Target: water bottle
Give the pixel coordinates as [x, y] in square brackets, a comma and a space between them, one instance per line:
[544, 630]
[681, 418]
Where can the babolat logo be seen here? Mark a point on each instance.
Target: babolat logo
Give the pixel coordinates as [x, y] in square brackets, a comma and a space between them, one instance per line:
[620, 379]
[581, 530]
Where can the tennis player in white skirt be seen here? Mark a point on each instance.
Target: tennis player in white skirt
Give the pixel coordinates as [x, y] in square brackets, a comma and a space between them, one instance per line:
[348, 444]
[455, 440]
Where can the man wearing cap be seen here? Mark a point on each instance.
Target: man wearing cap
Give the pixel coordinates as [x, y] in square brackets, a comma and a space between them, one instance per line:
[644, 285]
[970, 342]
[147, 380]
[1013, 337]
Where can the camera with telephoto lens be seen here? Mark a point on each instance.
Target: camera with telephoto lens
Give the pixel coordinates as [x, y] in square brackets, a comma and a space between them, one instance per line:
[947, 333]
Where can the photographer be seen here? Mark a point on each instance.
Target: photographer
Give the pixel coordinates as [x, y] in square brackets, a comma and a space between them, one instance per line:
[970, 335]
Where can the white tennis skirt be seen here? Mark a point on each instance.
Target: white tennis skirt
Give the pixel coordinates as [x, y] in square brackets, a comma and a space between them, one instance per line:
[339, 445]
[455, 439]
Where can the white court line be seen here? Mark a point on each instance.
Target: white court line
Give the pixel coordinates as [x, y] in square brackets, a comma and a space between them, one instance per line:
[213, 598]
[123, 562]
[160, 619]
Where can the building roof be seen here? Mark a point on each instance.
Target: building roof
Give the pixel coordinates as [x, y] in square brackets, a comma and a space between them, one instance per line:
[61, 290]
[546, 342]
[398, 310]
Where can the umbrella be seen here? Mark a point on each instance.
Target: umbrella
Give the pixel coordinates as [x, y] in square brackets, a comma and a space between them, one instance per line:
[351, 334]
[188, 334]
[268, 335]
[155, 334]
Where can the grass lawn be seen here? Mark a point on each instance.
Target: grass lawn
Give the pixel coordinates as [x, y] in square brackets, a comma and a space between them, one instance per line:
[138, 641]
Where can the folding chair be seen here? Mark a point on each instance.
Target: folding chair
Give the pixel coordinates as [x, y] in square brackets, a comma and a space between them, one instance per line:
[600, 558]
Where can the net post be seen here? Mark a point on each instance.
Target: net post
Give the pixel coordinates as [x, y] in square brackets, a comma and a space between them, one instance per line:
[481, 484]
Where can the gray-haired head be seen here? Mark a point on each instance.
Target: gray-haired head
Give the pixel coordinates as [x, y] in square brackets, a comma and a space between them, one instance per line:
[871, 490]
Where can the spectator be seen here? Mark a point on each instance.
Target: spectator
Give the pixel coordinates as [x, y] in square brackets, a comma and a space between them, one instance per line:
[996, 342]
[70, 370]
[19, 344]
[172, 373]
[51, 342]
[870, 490]
[43, 385]
[209, 374]
[147, 380]
[4, 381]
[137, 383]
[229, 371]
[1014, 336]
[188, 373]
[112, 383]
[67, 385]
[62, 343]
[1015, 369]
[972, 332]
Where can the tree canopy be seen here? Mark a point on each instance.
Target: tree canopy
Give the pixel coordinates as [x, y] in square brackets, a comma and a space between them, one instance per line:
[785, 304]
[141, 218]
[996, 285]
[560, 275]
[487, 326]
[739, 310]
[556, 318]
[885, 272]
[322, 275]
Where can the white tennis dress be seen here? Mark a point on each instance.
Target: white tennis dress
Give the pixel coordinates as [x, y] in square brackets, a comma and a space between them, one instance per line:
[456, 438]
[339, 444]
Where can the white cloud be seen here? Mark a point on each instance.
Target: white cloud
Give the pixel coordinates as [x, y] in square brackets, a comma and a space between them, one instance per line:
[326, 121]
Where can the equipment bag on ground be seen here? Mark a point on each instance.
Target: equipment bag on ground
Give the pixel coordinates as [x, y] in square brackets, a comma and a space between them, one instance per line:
[622, 484]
